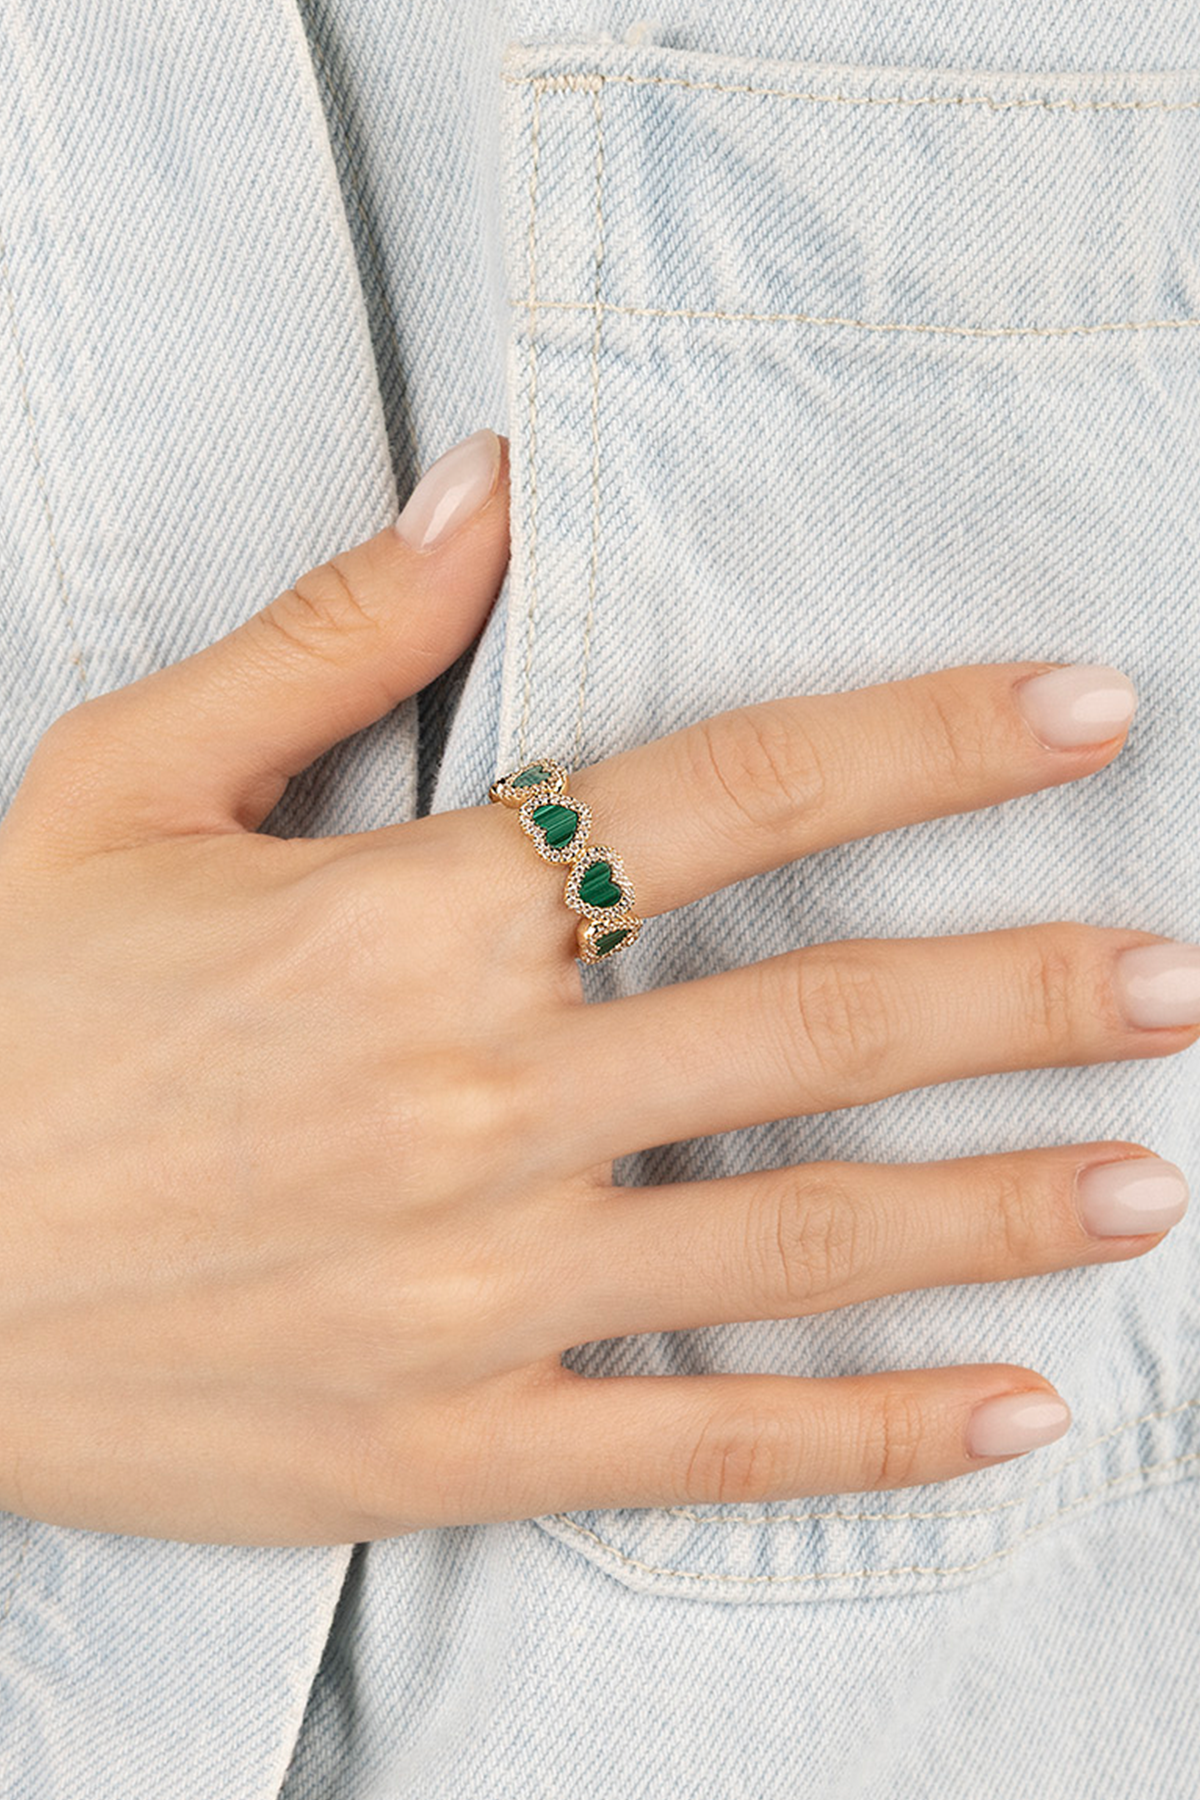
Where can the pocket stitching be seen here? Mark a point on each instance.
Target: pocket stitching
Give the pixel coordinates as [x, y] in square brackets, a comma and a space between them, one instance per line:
[583, 79]
[572, 1524]
[683, 312]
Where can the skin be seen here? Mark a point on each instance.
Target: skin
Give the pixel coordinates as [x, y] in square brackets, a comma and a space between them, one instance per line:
[305, 1184]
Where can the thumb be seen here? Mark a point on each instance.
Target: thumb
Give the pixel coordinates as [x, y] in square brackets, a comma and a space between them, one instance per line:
[209, 743]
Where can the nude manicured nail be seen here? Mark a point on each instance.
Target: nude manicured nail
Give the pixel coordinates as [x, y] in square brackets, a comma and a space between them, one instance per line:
[1159, 984]
[1014, 1423]
[451, 489]
[1084, 704]
[1122, 1199]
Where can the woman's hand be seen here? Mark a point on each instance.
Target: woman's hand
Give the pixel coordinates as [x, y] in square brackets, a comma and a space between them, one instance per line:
[305, 1146]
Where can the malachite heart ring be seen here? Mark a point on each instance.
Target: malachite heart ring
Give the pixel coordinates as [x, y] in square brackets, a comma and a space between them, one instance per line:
[596, 885]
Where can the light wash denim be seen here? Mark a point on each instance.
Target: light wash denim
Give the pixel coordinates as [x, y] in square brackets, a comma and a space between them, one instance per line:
[833, 344]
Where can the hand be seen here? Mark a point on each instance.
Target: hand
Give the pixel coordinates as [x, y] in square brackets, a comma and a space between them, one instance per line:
[305, 1146]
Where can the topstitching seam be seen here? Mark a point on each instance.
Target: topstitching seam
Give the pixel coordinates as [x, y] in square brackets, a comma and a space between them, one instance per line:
[748, 318]
[575, 78]
[77, 661]
[593, 570]
[531, 564]
[901, 1569]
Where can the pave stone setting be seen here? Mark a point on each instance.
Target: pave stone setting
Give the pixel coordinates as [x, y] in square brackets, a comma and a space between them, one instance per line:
[558, 824]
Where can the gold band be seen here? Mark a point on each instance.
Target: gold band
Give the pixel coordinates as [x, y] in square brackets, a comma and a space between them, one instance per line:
[597, 885]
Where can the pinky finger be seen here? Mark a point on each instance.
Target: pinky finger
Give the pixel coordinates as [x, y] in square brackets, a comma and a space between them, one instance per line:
[666, 1440]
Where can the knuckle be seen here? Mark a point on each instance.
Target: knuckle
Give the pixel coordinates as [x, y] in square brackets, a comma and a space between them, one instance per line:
[457, 1114]
[468, 1115]
[355, 1478]
[395, 1470]
[841, 1016]
[453, 1312]
[761, 767]
[1015, 1215]
[808, 1243]
[380, 1321]
[465, 1102]
[345, 923]
[741, 1456]
[891, 1448]
[321, 615]
[1053, 1003]
[956, 737]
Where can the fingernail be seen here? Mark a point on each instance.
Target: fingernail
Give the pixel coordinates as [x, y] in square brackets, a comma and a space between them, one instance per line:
[1085, 704]
[1122, 1199]
[1014, 1423]
[450, 490]
[1159, 984]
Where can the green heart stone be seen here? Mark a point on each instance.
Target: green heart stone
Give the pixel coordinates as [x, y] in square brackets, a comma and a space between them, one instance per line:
[532, 777]
[597, 887]
[608, 940]
[557, 823]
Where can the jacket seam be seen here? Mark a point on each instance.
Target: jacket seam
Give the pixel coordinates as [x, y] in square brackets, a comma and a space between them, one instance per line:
[77, 658]
[357, 185]
[532, 304]
[598, 309]
[728, 1579]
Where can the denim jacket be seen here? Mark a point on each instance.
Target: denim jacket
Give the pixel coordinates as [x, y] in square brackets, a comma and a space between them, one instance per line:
[831, 349]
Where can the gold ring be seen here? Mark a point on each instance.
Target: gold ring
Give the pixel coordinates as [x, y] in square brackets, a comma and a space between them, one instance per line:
[597, 884]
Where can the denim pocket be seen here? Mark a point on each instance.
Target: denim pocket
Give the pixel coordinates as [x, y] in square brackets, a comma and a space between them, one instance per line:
[822, 376]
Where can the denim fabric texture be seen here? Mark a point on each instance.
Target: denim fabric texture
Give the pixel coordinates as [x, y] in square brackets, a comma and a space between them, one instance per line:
[830, 351]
